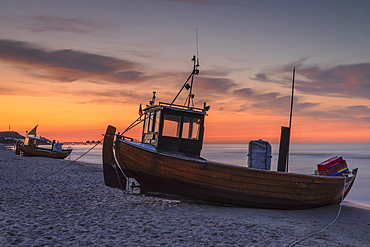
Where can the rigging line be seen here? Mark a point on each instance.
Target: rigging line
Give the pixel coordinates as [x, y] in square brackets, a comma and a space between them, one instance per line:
[133, 124]
[186, 100]
[61, 168]
[136, 122]
[326, 227]
[173, 101]
[115, 165]
[118, 177]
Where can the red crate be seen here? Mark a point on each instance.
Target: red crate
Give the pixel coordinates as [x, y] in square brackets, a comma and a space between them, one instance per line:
[335, 169]
[330, 163]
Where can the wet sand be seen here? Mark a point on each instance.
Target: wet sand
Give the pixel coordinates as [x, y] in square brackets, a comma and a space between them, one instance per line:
[73, 207]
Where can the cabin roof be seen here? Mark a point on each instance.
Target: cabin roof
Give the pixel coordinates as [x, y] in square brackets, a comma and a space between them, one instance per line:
[33, 137]
[174, 107]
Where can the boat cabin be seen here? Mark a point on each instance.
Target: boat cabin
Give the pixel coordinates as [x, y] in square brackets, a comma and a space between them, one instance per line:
[174, 128]
[31, 141]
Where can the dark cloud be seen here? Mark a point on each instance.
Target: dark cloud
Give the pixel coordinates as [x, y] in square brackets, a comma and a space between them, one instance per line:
[348, 80]
[359, 109]
[70, 65]
[271, 101]
[12, 90]
[366, 119]
[108, 96]
[214, 84]
[351, 80]
[245, 92]
[356, 112]
[281, 105]
[251, 94]
[261, 77]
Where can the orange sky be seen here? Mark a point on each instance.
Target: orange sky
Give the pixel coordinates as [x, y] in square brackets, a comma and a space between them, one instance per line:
[81, 110]
[64, 120]
[76, 68]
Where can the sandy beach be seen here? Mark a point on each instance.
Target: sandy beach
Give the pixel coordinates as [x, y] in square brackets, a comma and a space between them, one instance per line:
[73, 207]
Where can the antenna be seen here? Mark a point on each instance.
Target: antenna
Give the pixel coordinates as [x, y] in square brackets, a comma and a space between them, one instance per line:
[196, 37]
[186, 85]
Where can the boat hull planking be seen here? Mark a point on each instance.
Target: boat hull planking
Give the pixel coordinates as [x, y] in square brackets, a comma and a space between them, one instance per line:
[220, 183]
[39, 152]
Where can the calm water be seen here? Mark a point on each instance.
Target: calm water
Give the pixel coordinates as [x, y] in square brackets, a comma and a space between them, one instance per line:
[303, 159]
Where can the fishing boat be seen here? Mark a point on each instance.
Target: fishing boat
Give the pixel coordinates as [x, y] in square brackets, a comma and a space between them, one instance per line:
[168, 160]
[30, 147]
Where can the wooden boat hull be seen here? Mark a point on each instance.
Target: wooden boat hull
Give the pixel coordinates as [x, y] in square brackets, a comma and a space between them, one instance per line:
[113, 176]
[228, 184]
[40, 152]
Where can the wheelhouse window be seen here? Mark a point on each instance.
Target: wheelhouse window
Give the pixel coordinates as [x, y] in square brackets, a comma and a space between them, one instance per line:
[190, 129]
[146, 123]
[151, 119]
[171, 125]
[157, 118]
[151, 122]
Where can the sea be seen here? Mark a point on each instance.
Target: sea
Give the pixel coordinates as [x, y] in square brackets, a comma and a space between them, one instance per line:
[303, 158]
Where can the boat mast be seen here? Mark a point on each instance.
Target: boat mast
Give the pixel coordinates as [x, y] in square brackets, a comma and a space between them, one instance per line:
[283, 160]
[291, 100]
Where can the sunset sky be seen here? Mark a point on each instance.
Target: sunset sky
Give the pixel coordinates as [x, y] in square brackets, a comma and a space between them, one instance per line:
[74, 67]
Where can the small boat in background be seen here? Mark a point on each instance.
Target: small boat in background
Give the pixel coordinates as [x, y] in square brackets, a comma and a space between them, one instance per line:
[167, 160]
[30, 147]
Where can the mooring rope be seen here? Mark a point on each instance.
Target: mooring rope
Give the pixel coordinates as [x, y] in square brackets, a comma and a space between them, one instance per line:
[70, 163]
[326, 227]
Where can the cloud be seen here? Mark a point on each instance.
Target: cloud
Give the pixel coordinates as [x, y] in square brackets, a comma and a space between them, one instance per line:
[261, 77]
[220, 71]
[12, 90]
[354, 112]
[45, 23]
[281, 104]
[346, 80]
[277, 104]
[69, 65]
[273, 101]
[108, 96]
[214, 84]
[251, 94]
[351, 80]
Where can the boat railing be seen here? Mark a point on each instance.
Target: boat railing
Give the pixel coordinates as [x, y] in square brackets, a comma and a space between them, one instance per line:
[125, 137]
